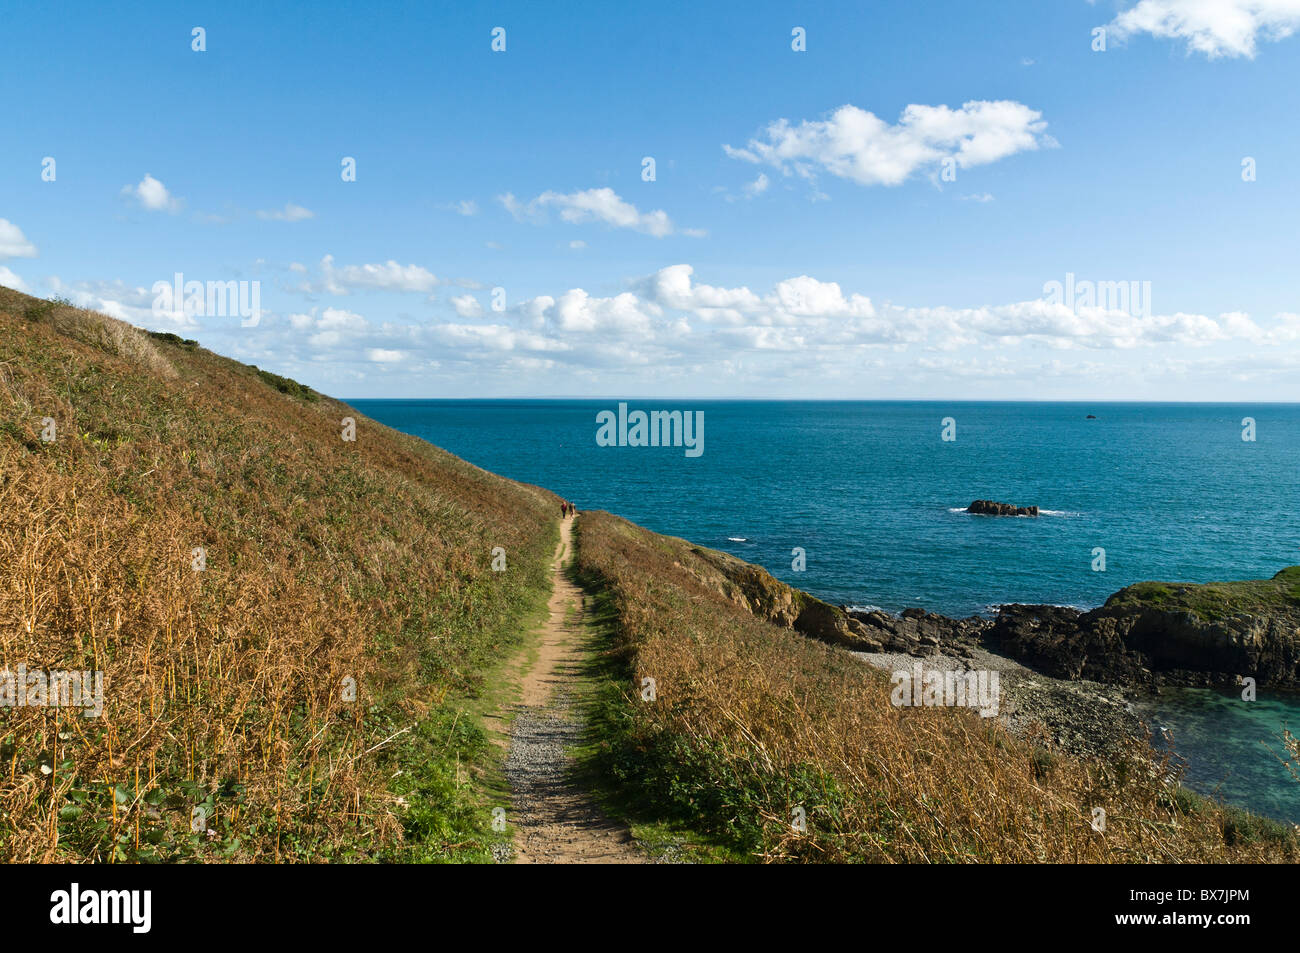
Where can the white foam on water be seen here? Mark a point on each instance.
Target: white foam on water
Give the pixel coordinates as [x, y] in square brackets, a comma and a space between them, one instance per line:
[994, 607]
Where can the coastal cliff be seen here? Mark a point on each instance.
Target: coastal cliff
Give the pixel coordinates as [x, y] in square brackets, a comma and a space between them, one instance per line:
[1175, 633]
[1147, 634]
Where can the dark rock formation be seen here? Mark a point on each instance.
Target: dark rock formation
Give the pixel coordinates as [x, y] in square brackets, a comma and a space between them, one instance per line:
[1145, 635]
[993, 508]
[1143, 645]
[918, 632]
[1065, 643]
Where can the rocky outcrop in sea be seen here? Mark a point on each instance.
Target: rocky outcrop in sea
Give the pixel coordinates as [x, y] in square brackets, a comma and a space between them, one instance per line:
[994, 508]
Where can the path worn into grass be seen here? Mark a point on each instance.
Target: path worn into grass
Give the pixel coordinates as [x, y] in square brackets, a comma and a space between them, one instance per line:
[555, 821]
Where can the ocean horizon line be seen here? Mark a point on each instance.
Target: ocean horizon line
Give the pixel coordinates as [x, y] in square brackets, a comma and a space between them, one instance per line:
[845, 400]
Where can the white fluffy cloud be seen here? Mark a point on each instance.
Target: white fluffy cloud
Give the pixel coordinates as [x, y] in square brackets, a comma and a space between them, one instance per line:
[856, 145]
[495, 337]
[806, 314]
[335, 326]
[802, 335]
[13, 243]
[593, 205]
[290, 213]
[389, 276]
[792, 301]
[467, 306]
[10, 280]
[153, 195]
[1216, 28]
[130, 303]
[621, 315]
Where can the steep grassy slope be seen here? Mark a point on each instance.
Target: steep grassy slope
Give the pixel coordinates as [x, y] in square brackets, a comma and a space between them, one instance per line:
[227, 687]
[752, 723]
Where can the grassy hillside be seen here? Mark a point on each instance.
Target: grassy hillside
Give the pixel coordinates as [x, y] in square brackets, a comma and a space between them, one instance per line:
[752, 721]
[325, 560]
[327, 563]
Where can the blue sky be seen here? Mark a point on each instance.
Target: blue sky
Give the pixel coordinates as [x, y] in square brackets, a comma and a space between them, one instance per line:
[829, 256]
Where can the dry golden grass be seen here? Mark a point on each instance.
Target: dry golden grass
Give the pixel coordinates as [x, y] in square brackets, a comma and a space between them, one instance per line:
[752, 721]
[324, 560]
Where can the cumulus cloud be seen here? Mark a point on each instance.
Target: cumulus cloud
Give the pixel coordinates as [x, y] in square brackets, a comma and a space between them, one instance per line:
[790, 302]
[467, 306]
[334, 326]
[10, 280]
[13, 243]
[495, 337]
[126, 302]
[153, 195]
[593, 205]
[290, 213]
[1215, 28]
[389, 276]
[623, 314]
[796, 336]
[803, 314]
[856, 145]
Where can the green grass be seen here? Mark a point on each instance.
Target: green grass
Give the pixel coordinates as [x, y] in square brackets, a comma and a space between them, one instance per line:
[632, 782]
[1240, 827]
[188, 343]
[286, 385]
[1215, 601]
[324, 558]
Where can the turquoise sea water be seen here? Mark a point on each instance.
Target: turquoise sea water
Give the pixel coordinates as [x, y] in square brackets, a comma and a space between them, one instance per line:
[1229, 747]
[874, 497]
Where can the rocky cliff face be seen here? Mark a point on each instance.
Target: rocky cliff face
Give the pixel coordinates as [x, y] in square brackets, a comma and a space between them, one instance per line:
[918, 632]
[767, 597]
[1145, 634]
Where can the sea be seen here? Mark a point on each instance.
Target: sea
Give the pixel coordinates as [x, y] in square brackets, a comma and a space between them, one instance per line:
[862, 503]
